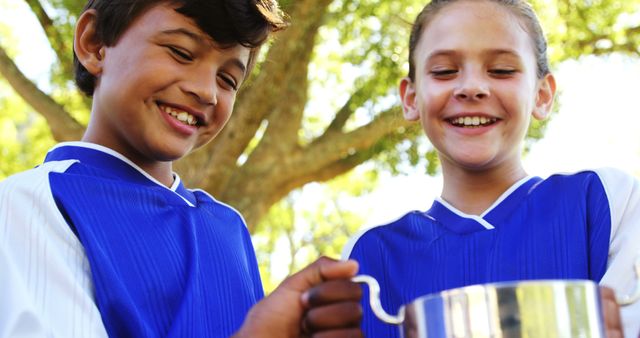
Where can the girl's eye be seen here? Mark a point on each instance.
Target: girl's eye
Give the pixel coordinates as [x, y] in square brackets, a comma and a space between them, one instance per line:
[443, 72]
[502, 72]
[229, 81]
[180, 53]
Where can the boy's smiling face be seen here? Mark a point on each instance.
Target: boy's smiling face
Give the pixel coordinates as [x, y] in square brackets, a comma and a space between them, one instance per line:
[164, 89]
[475, 85]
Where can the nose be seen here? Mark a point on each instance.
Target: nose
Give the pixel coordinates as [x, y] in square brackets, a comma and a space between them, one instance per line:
[202, 86]
[472, 87]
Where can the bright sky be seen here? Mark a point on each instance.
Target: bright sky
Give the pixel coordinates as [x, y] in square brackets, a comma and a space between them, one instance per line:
[33, 60]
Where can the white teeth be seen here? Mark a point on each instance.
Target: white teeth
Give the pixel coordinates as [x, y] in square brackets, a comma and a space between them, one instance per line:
[181, 116]
[472, 121]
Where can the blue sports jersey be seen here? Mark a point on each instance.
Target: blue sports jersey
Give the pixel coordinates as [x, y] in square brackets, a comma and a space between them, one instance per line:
[554, 228]
[164, 262]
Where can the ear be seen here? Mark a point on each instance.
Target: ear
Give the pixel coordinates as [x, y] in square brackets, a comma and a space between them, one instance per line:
[545, 96]
[408, 97]
[88, 48]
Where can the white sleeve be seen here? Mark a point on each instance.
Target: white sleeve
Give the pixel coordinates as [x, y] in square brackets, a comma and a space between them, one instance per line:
[17, 318]
[623, 193]
[45, 286]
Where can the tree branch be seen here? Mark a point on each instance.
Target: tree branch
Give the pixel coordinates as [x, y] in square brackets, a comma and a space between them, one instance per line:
[354, 158]
[340, 145]
[342, 116]
[285, 121]
[282, 75]
[62, 125]
[357, 99]
[58, 43]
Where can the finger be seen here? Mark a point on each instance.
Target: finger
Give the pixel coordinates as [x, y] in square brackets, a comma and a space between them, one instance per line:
[332, 269]
[607, 292]
[334, 316]
[611, 311]
[344, 333]
[322, 269]
[334, 291]
[614, 334]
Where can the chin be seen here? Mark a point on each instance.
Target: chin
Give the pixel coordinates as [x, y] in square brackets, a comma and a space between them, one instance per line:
[473, 159]
[473, 164]
[170, 154]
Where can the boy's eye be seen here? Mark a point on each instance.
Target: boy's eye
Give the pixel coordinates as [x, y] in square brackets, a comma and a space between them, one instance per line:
[229, 81]
[181, 53]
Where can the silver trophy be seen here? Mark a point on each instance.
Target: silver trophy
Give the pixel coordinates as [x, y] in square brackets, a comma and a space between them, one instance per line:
[528, 309]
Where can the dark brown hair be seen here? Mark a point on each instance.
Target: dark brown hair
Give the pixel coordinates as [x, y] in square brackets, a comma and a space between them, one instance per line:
[228, 22]
[520, 8]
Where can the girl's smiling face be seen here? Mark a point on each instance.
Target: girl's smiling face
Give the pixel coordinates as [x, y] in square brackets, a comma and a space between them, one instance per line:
[475, 85]
[164, 88]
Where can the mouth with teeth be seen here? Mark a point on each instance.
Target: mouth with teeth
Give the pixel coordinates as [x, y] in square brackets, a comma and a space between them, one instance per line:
[472, 121]
[180, 115]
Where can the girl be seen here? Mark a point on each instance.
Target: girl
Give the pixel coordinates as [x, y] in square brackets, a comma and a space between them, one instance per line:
[478, 73]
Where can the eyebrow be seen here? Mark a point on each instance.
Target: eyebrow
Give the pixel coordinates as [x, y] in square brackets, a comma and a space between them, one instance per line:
[202, 40]
[240, 65]
[183, 31]
[503, 51]
[450, 52]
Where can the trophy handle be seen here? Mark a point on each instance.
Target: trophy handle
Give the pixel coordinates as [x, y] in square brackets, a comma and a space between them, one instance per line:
[374, 300]
[635, 296]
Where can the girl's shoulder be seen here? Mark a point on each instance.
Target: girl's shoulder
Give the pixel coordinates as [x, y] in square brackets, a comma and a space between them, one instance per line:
[612, 180]
[602, 173]
[391, 233]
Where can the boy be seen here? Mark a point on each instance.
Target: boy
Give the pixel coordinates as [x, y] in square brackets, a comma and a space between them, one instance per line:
[104, 239]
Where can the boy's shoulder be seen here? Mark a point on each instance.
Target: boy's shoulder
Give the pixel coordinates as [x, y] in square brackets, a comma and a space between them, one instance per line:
[227, 209]
[33, 179]
[27, 202]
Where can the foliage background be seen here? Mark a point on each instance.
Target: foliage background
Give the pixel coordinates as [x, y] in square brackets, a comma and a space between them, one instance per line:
[330, 108]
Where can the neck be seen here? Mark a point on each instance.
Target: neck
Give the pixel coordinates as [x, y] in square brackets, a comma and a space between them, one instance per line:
[473, 192]
[162, 171]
